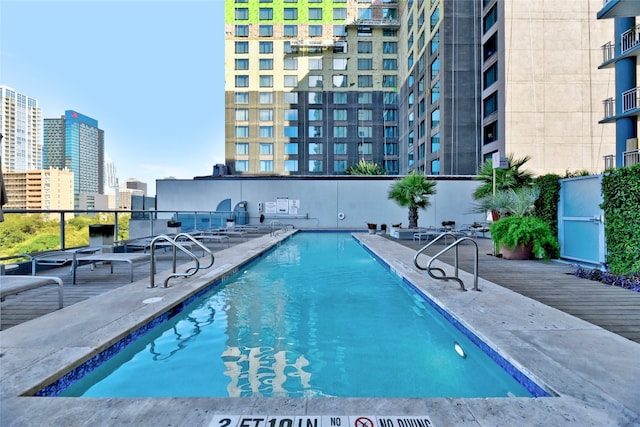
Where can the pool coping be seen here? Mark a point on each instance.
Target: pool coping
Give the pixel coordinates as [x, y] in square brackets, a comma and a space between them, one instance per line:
[590, 370]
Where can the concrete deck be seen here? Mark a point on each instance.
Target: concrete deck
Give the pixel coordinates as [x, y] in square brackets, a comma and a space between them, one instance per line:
[592, 373]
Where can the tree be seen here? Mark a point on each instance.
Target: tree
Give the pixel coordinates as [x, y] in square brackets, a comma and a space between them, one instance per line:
[412, 191]
[514, 177]
[365, 168]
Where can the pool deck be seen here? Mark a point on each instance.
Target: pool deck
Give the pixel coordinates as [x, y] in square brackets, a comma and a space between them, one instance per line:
[592, 373]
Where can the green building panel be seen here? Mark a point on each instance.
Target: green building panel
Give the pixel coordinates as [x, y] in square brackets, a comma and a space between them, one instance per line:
[278, 12]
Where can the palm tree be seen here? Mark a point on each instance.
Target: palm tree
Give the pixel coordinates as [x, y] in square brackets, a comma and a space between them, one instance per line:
[413, 191]
[365, 168]
[511, 178]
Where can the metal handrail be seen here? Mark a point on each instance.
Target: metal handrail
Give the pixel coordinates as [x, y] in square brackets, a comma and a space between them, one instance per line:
[274, 224]
[176, 246]
[197, 242]
[429, 269]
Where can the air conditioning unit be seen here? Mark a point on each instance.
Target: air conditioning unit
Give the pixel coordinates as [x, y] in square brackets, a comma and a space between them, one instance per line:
[632, 144]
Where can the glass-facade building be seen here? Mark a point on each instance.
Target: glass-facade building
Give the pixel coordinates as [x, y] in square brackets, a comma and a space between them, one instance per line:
[21, 128]
[74, 142]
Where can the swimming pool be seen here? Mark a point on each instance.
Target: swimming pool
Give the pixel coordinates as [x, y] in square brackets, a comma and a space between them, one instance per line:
[316, 316]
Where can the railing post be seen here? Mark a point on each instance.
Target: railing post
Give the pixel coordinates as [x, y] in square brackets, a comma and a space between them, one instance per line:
[62, 225]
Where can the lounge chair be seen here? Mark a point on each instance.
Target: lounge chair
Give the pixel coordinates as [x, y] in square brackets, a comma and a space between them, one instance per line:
[15, 284]
[110, 257]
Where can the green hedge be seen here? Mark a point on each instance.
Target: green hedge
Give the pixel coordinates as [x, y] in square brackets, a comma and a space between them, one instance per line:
[546, 207]
[621, 205]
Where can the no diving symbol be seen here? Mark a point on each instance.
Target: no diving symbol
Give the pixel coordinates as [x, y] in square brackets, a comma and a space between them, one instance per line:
[363, 422]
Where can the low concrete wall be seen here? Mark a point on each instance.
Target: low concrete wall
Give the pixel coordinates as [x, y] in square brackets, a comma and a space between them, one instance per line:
[331, 202]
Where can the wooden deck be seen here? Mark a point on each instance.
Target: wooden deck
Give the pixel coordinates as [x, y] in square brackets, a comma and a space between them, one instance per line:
[612, 308]
[551, 283]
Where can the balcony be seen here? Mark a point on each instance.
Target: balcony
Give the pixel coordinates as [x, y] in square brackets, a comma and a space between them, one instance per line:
[630, 106]
[629, 46]
[618, 9]
[631, 158]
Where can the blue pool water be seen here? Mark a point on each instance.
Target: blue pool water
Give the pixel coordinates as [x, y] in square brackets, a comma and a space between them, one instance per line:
[316, 316]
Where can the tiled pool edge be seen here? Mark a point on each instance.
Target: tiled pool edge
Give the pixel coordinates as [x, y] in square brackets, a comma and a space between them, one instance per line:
[531, 386]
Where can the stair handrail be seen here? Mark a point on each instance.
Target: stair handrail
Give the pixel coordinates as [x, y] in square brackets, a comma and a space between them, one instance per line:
[429, 269]
[202, 246]
[273, 227]
[175, 245]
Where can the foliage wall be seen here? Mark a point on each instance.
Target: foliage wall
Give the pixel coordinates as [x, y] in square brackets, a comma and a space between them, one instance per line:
[546, 206]
[621, 205]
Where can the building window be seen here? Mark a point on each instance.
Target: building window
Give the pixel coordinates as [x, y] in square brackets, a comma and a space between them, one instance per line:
[390, 98]
[290, 31]
[242, 47]
[435, 68]
[340, 148]
[490, 19]
[266, 47]
[290, 81]
[340, 80]
[364, 13]
[435, 142]
[339, 165]
[490, 104]
[435, 42]
[266, 98]
[315, 81]
[315, 13]
[266, 149]
[364, 131]
[339, 13]
[339, 30]
[490, 47]
[315, 148]
[389, 32]
[291, 98]
[315, 114]
[242, 98]
[315, 31]
[266, 13]
[389, 47]
[339, 98]
[365, 114]
[390, 115]
[365, 47]
[242, 115]
[242, 31]
[315, 64]
[266, 30]
[490, 76]
[315, 131]
[340, 64]
[390, 64]
[391, 149]
[490, 133]
[435, 167]
[242, 165]
[242, 131]
[365, 64]
[391, 166]
[365, 81]
[290, 63]
[315, 97]
[242, 13]
[266, 115]
[291, 131]
[435, 17]
[290, 13]
[410, 159]
[365, 97]
[411, 139]
[391, 131]
[340, 114]
[266, 81]
[291, 165]
[242, 149]
[266, 64]
[266, 165]
[291, 148]
[435, 92]
[266, 131]
[242, 63]
[315, 165]
[291, 115]
[389, 81]
[242, 81]
[339, 131]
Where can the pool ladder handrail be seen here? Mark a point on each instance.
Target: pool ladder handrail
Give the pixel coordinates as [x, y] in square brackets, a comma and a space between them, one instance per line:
[274, 230]
[175, 246]
[205, 250]
[457, 241]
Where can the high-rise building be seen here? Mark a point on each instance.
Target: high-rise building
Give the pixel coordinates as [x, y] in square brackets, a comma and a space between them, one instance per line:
[74, 142]
[21, 126]
[311, 87]
[621, 55]
[134, 184]
[436, 86]
[48, 189]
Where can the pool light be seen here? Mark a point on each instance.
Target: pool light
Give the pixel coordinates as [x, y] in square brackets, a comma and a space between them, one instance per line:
[459, 350]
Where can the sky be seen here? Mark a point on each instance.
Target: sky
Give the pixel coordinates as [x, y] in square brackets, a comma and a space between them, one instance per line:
[151, 72]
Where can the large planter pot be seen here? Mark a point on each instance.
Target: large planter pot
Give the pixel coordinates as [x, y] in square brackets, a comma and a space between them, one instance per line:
[520, 252]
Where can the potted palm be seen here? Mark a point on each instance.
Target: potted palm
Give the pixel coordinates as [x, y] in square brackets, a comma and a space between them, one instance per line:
[412, 191]
[519, 235]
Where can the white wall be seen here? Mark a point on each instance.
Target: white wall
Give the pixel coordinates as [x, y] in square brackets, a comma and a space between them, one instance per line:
[361, 200]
